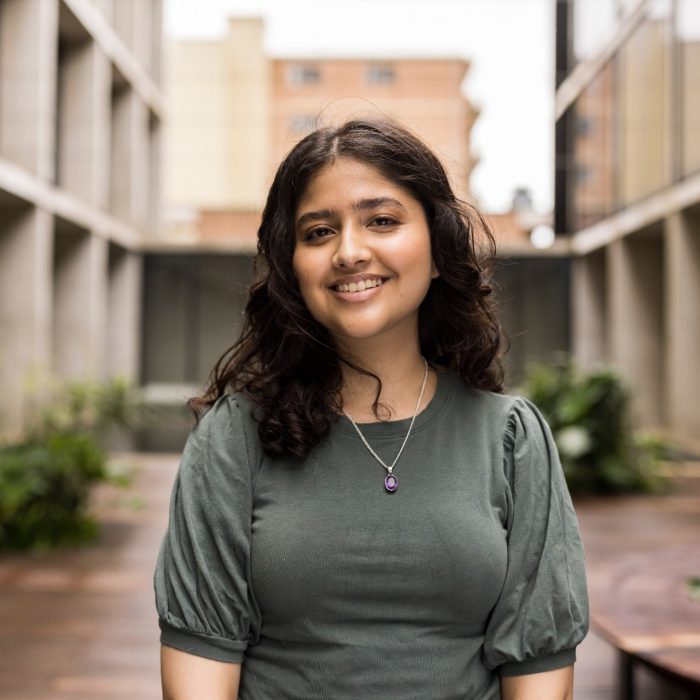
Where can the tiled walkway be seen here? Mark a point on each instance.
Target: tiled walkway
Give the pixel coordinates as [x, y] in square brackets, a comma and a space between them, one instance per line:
[81, 625]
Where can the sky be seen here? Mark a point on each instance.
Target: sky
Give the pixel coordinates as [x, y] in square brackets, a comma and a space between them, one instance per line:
[510, 44]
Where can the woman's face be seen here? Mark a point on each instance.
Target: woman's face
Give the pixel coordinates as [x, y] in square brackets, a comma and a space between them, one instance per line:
[362, 254]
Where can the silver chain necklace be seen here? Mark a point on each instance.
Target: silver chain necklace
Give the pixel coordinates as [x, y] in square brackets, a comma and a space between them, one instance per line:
[391, 483]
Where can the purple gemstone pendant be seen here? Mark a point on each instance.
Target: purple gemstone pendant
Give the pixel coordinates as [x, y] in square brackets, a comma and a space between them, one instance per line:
[391, 483]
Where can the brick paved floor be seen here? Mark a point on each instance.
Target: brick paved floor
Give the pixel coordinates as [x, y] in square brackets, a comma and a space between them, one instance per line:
[643, 530]
[80, 625]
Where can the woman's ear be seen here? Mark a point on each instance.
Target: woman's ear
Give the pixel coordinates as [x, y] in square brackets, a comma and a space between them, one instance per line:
[433, 270]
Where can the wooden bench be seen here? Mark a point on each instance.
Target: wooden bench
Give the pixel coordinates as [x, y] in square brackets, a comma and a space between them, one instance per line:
[642, 606]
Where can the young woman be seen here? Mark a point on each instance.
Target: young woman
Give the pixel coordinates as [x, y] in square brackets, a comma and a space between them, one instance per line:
[361, 512]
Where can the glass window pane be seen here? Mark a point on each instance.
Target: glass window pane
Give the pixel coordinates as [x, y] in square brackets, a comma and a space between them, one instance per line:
[645, 107]
[593, 149]
[688, 34]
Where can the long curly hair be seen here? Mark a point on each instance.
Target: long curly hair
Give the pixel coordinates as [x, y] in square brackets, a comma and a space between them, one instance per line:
[286, 363]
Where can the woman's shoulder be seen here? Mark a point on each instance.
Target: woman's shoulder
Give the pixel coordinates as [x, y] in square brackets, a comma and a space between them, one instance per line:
[503, 418]
[492, 406]
[227, 429]
[230, 412]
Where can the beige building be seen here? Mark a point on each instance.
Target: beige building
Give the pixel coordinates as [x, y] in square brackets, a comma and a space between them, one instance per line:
[80, 115]
[424, 94]
[628, 194]
[236, 112]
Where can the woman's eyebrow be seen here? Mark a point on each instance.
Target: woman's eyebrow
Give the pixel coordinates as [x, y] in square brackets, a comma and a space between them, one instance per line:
[377, 202]
[359, 205]
[315, 216]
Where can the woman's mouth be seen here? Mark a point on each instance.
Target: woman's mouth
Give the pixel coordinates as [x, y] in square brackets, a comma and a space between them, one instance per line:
[359, 286]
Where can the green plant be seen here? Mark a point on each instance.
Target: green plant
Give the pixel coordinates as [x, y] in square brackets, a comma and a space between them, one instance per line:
[694, 587]
[84, 406]
[589, 417]
[46, 478]
[43, 491]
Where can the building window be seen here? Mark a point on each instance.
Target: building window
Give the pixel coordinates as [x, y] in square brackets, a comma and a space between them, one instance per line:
[584, 126]
[592, 181]
[302, 123]
[303, 74]
[688, 38]
[645, 98]
[380, 74]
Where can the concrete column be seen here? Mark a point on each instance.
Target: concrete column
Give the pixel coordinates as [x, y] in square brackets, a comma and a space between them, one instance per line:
[635, 322]
[130, 159]
[682, 368]
[28, 47]
[106, 7]
[156, 43]
[155, 195]
[588, 302]
[142, 30]
[25, 306]
[124, 317]
[80, 304]
[83, 138]
[123, 15]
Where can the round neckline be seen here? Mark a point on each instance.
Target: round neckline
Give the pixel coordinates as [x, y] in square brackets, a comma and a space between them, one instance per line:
[398, 428]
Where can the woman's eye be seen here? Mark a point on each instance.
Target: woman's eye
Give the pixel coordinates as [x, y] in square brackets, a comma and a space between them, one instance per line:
[383, 221]
[318, 233]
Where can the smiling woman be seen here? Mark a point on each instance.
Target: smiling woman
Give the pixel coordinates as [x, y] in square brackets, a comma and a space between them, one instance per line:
[370, 349]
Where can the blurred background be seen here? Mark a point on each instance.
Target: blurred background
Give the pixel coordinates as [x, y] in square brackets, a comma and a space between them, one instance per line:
[138, 139]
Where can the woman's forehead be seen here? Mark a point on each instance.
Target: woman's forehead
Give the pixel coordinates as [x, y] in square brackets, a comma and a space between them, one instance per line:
[350, 181]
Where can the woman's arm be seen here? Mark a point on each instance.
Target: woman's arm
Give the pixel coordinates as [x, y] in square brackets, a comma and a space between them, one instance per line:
[550, 685]
[188, 677]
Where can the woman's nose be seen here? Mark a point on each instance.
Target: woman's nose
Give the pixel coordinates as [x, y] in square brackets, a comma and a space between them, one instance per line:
[351, 249]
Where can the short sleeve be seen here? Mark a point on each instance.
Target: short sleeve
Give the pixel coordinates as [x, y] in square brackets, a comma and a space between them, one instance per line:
[203, 597]
[542, 611]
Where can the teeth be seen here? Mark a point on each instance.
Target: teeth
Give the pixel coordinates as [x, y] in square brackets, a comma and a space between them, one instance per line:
[359, 286]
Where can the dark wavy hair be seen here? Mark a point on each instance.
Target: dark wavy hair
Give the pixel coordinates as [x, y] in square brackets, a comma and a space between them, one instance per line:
[285, 362]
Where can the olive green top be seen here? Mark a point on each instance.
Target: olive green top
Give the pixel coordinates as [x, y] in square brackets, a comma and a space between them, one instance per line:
[324, 585]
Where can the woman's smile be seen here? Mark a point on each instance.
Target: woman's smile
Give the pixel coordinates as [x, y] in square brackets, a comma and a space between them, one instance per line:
[356, 288]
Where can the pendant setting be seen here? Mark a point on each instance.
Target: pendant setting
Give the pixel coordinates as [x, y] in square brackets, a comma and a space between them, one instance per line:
[391, 483]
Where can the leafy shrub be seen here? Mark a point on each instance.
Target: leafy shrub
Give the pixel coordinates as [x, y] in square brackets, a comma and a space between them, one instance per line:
[85, 407]
[589, 417]
[46, 478]
[44, 486]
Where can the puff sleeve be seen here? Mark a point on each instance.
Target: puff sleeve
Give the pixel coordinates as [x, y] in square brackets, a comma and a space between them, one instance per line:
[542, 611]
[202, 575]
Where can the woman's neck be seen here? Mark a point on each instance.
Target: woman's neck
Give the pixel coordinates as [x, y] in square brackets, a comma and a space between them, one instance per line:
[401, 371]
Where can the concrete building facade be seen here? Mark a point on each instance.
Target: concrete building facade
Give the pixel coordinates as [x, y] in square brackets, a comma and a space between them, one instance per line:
[628, 196]
[80, 116]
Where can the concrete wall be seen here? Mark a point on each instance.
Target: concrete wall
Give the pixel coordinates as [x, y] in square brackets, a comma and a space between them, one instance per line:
[534, 309]
[682, 330]
[636, 267]
[26, 309]
[193, 309]
[588, 310]
[75, 184]
[635, 321]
